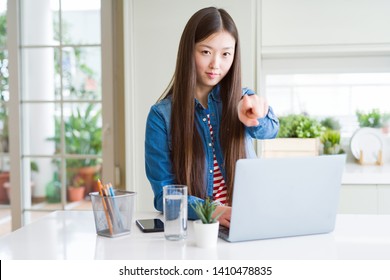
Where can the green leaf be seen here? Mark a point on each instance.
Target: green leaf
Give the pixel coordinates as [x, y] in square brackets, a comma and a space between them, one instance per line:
[205, 210]
[299, 126]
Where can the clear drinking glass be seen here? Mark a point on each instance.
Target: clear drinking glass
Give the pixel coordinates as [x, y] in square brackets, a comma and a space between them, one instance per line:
[175, 211]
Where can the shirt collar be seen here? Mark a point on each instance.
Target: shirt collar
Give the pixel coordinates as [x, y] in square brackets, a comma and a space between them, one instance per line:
[215, 94]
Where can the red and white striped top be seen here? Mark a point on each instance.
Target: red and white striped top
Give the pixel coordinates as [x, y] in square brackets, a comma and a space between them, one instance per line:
[219, 187]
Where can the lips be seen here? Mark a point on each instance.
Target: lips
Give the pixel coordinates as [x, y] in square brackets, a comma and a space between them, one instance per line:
[212, 75]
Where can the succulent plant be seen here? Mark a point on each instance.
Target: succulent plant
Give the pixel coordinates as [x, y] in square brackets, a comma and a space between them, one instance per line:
[331, 140]
[205, 210]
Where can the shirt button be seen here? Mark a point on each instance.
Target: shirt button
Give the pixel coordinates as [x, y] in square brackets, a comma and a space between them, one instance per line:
[204, 119]
[211, 171]
[210, 144]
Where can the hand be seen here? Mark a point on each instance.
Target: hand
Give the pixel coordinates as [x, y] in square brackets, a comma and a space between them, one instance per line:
[224, 220]
[250, 108]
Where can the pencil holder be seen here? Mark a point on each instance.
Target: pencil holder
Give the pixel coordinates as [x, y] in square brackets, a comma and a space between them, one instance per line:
[113, 214]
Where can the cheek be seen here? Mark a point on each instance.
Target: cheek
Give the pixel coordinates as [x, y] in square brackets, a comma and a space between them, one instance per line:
[227, 65]
[198, 68]
[197, 64]
[200, 63]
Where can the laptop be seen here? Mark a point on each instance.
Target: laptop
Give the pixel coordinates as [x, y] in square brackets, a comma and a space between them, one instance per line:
[282, 197]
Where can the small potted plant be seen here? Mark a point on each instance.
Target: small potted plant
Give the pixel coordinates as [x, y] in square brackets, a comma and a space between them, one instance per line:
[206, 228]
[331, 141]
[76, 189]
[298, 136]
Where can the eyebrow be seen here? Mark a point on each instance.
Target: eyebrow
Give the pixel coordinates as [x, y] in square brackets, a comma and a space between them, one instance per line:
[207, 46]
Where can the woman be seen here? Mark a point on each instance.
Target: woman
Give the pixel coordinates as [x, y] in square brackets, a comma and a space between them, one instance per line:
[205, 121]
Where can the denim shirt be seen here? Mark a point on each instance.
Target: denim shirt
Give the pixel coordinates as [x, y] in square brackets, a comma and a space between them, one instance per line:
[158, 144]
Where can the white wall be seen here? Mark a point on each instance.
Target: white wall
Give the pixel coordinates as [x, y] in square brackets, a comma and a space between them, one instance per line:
[330, 22]
[267, 28]
[319, 27]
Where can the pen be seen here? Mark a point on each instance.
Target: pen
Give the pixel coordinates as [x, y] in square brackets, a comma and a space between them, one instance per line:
[117, 212]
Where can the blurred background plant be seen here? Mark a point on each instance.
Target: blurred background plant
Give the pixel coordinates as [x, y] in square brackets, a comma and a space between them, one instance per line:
[299, 126]
[83, 135]
[331, 123]
[369, 119]
[77, 181]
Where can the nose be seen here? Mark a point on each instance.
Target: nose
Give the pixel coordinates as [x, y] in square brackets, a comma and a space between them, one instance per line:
[214, 64]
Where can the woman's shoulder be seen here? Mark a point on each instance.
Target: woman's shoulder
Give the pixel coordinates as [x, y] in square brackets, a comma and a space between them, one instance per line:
[162, 104]
[162, 107]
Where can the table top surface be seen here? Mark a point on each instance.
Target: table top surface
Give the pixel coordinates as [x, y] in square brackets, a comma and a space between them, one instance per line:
[72, 235]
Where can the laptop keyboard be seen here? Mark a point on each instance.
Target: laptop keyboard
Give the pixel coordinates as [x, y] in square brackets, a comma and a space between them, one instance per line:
[224, 230]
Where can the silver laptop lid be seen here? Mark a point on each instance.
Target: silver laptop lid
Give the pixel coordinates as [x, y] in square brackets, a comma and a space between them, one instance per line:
[278, 197]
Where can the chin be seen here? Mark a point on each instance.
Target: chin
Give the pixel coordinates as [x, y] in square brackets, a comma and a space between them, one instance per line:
[213, 83]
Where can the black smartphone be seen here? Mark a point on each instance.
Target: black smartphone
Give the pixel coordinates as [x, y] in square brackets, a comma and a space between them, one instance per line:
[150, 225]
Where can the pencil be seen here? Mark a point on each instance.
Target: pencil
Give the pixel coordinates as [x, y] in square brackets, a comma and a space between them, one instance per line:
[110, 208]
[101, 190]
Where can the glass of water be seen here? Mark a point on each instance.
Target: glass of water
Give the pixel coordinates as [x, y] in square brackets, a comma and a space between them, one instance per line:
[175, 211]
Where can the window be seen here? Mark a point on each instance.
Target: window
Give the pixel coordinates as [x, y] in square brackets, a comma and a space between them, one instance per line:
[334, 86]
[4, 98]
[57, 106]
[338, 95]
[61, 96]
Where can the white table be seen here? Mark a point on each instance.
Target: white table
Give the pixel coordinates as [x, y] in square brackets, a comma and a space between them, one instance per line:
[72, 235]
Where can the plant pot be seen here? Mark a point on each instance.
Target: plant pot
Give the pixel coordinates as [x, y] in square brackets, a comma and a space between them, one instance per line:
[206, 235]
[333, 150]
[289, 147]
[75, 193]
[4, 178]
[386, 129]
[88, 173]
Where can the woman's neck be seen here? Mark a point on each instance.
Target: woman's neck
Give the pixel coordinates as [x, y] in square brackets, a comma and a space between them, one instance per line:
[202, 96]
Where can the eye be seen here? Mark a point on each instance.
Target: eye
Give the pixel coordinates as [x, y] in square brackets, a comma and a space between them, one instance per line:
[206, 52]
[227, 54]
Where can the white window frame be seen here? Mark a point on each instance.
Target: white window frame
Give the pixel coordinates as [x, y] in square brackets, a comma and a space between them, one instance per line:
[18, 199]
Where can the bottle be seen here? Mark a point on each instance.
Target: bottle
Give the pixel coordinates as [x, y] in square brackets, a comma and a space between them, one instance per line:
[53, 189]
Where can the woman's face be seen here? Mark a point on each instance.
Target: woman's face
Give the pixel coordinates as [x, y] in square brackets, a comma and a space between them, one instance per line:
[213, 59]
